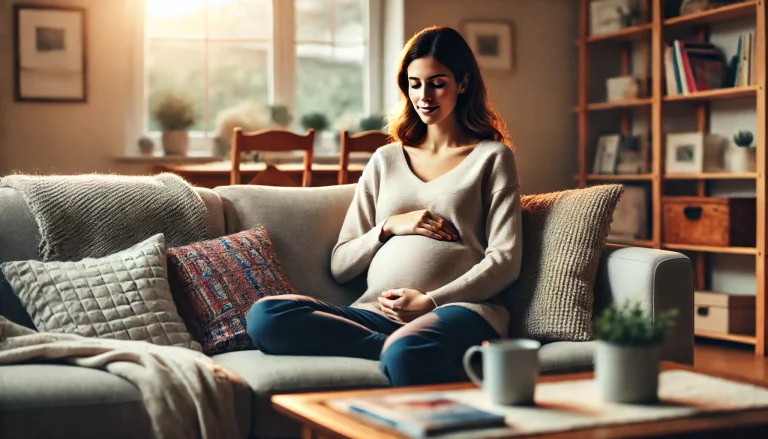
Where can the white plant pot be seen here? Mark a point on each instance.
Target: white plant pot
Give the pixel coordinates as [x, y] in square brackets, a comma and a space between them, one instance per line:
[627, 374]
[175, 142]
[740, 159]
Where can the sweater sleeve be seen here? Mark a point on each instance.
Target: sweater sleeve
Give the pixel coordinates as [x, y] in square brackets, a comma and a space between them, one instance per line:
[501, 264]
[359, 236]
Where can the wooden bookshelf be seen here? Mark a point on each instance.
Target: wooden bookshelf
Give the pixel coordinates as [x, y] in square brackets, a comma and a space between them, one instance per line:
[735, 11]
[647, 41]
[719, 94]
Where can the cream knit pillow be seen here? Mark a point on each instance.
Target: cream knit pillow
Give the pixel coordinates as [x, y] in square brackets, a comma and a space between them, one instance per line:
[563, 238]
[123, 296]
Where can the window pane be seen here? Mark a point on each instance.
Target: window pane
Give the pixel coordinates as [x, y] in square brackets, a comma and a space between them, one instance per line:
[240, 19]
[348, 21]
[238, 73]
[328, 84]
[175, 18]
[313, 20]
[175, 66]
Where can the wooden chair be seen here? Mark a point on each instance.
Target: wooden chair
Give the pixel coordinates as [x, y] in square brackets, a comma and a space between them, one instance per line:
[272, 140]
[367, 141]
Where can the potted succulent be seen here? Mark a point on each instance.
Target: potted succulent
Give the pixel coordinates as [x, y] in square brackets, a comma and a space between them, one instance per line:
[741, 158]
[628, 352]
[175, 114]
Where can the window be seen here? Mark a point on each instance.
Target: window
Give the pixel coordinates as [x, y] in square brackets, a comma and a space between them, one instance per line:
[309, 55]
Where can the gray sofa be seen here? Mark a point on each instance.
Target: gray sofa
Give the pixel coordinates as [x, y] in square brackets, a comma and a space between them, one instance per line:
[52, 401]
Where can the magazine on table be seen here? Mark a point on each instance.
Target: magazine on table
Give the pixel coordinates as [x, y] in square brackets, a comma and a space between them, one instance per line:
[419, 415]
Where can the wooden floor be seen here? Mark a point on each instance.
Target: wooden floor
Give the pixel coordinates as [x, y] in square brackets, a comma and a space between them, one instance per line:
[730, 358]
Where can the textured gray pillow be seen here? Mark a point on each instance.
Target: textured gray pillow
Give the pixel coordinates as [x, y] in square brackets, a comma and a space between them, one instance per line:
[563, 238]
[122, 296]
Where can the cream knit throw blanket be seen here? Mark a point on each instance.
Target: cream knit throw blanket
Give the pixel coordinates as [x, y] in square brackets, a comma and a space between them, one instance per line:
[95, 215]
[186, 394]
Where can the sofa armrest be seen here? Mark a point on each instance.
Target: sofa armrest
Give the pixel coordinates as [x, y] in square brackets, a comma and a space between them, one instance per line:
[659, 279]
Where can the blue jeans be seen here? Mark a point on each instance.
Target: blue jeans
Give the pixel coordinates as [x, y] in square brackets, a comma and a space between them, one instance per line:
[428, 350]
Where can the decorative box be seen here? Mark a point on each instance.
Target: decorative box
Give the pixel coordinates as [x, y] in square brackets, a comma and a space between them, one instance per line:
[709, 221]
[724, 313]
[622, 88]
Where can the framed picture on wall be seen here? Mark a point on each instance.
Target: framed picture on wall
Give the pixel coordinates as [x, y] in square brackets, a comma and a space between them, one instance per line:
[492, 43]
[49, 53]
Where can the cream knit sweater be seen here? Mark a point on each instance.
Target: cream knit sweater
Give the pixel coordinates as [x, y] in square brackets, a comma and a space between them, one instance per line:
[480, 196]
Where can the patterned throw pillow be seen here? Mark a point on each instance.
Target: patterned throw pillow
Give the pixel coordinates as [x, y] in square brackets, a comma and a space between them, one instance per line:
[563, 238]
[216, 282]
[124, 296]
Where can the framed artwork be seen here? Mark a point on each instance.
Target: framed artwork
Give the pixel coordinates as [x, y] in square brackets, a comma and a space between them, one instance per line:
[49, 53]
[492, 43]
[685, 153]
[606, 154]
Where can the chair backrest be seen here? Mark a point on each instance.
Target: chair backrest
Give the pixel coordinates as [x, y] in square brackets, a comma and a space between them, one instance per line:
[271, 140]
[367, 141]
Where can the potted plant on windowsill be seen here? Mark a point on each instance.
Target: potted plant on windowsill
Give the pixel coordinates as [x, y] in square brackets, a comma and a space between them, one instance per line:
[628, 352]
[175, 114]
[319, 122]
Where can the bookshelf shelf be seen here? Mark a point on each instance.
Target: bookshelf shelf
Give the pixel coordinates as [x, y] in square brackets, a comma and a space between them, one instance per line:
[713, 176]
[619, 177]
[747, 91]
[712, 249]
[745, 339]
[713, 16]
[648, 59]
[634, 33]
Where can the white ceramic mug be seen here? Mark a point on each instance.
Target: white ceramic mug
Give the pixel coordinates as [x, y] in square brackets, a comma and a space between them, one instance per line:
[510, 369]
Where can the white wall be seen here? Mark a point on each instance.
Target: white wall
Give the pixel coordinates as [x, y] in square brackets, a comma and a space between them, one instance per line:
[536, 99]
[70, 137]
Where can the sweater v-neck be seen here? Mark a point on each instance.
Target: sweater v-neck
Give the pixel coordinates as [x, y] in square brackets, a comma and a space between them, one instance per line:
[404, 159]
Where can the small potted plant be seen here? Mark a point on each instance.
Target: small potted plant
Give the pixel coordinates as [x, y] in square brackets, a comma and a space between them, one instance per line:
[742, 157]
[628, 352]
[146, 145]
[319, 122]
[373, 123]
[175, 114]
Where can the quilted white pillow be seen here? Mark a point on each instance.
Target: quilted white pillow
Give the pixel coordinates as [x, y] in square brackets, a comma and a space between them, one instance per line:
[124, 296]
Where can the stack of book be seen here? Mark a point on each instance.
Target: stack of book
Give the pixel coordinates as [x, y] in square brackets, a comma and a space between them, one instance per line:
[744, 60]
[694, 66]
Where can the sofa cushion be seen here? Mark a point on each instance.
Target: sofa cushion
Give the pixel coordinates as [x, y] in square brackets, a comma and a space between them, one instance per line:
[215, 283]
[303, 224]
[64, 401]
[123, 296]
[271, 374]
[563, 238]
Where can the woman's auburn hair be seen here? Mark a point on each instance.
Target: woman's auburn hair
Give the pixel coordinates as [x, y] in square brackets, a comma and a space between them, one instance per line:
[474, 111]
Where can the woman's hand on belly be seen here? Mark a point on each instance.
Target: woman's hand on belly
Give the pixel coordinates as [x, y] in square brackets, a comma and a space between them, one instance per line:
[405, 304]
[420, 222]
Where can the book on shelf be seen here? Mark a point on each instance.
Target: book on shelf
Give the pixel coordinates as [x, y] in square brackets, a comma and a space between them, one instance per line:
[419, 414]
[693, 66]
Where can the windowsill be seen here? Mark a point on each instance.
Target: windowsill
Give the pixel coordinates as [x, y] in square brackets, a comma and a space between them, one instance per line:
[159, 157]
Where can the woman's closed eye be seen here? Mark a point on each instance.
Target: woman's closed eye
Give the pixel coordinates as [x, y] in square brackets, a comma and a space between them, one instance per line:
[416, 86]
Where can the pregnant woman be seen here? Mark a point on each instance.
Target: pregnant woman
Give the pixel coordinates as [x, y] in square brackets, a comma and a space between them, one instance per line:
[435, 222]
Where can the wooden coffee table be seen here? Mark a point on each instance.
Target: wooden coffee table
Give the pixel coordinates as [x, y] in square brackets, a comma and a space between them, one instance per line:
[320, 421]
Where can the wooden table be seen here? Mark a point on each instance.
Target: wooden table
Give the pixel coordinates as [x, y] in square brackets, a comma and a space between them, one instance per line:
[320, 421]
[210, 175]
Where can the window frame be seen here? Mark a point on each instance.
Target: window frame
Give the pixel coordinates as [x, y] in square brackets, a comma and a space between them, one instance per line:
[281, 74]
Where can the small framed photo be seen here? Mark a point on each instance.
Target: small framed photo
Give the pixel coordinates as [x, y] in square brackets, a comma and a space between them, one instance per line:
[606, 154]
[492, 43]
[49, 53]
[685, 153]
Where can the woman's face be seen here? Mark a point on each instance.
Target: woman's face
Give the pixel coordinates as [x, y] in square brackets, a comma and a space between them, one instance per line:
[432, 90]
